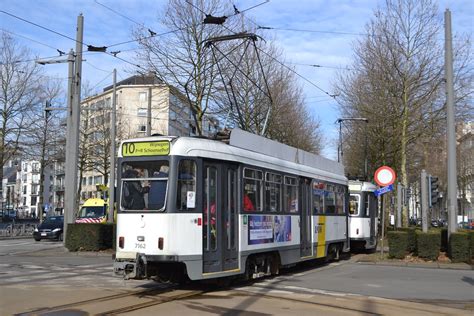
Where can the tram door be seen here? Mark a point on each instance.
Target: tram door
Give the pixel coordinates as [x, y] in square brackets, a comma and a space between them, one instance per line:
[220, 217]
[305, 217]
[373, 216]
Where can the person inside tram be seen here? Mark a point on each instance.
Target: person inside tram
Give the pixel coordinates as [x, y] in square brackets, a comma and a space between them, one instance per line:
[133, 191]
[248, 204]
[157, 193]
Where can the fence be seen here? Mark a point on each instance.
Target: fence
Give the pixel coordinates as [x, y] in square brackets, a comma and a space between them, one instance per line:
[17, 229]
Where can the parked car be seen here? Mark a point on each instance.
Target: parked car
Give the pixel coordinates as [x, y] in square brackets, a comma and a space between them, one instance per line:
[50, 228]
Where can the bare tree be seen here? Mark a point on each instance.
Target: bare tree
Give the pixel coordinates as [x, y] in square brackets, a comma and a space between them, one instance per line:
[398, 84]
[18, 96]
[178, 57]
[45, 133]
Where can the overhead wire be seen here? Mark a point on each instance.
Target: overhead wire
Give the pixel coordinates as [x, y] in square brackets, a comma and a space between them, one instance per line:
[30, 39]
[333, 96]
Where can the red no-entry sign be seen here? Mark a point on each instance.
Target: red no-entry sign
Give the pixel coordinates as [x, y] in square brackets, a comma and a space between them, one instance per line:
[384, 176]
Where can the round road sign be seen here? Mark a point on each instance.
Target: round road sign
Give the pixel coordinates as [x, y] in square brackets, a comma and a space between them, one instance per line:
[384, 176]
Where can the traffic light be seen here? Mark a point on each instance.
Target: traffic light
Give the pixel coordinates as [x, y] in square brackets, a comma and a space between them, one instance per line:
[47, 109]
[433, 190]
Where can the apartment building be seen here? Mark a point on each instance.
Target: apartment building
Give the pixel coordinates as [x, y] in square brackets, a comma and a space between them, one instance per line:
[144, 106]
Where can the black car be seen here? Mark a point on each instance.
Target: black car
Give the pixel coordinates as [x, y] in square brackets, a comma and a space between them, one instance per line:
[50, 228]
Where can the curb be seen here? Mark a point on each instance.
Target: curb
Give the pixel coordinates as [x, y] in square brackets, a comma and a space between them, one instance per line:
[425, 265]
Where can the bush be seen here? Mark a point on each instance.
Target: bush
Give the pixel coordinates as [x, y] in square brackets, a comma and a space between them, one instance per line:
[397, 243]
[428, 244]
[411, 238]
[459, 250]
[89, 237]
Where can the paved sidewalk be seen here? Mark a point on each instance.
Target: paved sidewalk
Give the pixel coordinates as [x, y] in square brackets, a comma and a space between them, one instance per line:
[375, 259]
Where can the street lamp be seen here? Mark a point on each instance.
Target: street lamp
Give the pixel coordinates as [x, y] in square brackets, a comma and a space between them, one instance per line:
[340, 151]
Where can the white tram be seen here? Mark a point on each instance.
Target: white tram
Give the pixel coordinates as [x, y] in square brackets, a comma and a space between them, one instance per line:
[210, 209]
[363, 215]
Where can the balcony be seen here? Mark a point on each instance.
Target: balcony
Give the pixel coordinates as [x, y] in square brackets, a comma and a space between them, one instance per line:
[57, 188]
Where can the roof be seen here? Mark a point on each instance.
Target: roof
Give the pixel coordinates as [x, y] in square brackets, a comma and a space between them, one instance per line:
[137, 80]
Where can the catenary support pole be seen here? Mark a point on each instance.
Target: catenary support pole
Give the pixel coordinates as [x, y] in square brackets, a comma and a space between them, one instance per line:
[69, 137]
[452, 185]
[72, 150]
[424, 200]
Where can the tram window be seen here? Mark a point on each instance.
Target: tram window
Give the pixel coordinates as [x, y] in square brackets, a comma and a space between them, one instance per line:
[144, 185]
[273, 192]
[330, 202]
[366, 204]
[318, 197]
[230, 214]
[253, 189]
[186, 192]
[290, 195]
[339, 203]
[354, 201]
[210, 208]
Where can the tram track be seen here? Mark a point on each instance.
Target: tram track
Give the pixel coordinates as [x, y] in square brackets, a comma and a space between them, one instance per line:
[132, 301]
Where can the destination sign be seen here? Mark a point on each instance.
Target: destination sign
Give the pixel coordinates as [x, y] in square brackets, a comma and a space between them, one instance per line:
[157, 148]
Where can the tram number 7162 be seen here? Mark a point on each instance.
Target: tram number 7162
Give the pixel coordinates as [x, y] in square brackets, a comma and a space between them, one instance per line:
[140, 245]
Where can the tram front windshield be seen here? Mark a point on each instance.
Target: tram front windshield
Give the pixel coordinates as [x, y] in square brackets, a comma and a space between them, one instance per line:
[144, 185]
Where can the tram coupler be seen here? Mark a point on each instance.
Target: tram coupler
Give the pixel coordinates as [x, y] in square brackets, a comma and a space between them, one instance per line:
[132, 269]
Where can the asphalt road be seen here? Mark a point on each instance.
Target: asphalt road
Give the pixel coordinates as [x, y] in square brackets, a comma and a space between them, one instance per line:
[43, 278]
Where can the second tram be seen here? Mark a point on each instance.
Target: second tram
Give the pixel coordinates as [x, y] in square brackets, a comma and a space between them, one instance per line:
[363, 215]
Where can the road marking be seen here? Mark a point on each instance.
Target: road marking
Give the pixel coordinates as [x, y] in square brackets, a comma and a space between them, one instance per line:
[374, 285]
[13, 245]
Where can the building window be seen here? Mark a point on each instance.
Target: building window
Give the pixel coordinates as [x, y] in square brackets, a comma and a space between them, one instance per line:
[141, 128]
[98, 179]
[142, 96]
[142, 112]
[90, 179]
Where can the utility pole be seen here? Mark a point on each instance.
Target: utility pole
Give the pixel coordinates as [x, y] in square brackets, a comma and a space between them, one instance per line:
[451, 129]
[148, 114]
[73, 121]
[340, 151]
[113, 115]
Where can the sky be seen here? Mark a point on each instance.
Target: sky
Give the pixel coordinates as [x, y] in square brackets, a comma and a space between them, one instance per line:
[309, 32]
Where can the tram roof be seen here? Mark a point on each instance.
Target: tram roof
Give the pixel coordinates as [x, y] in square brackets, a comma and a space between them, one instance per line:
[253, 149]
[357, 185]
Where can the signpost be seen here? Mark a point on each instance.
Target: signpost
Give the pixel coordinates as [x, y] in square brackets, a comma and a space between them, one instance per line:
[385, 177]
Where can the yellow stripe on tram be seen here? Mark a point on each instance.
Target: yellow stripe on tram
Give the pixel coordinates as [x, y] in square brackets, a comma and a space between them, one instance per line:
[321, 237]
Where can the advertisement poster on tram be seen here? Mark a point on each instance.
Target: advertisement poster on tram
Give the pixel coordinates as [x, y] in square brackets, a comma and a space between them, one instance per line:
[266, 229]
[282, 228]
[260, 229]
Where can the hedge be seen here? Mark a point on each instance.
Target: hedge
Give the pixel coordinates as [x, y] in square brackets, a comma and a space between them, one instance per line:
[397, 243]
[89, 237]
[411, 238]
[459, 250]
[428, 244]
